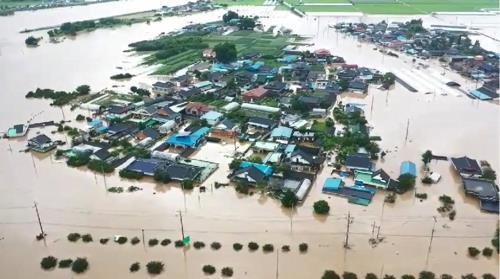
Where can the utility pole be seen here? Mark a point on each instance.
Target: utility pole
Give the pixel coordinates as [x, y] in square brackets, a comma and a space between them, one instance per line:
[182, 225]
[349, 219]
[430, 242]
[373, 228]
[407, 129]
[42, 233]
[291, 220]
[371, 107]
[143, 239]
[277, 262]
[378, 231]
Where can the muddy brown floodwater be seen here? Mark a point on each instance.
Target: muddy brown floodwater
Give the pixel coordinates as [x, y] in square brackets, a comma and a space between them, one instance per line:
[76, 200]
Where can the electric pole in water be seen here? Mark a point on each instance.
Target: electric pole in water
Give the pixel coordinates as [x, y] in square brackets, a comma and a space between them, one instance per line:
[349, 220]
[430, 242]
[277, 262]
[182, 225]
[143, 239]
[42, 233]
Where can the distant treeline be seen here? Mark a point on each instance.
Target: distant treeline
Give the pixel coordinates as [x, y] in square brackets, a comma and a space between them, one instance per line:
[71, 28]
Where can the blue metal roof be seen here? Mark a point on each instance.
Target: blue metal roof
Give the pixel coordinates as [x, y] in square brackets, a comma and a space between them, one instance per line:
[191, 140]
[265, 169]
[408, 167]
[480, 95]
[282, 131]
[333, 184]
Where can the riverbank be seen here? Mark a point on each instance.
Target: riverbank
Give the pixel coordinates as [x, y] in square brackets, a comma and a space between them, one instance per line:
[12, 6]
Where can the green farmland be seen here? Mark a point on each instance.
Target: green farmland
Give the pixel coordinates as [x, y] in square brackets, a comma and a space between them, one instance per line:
[188, 48]
[397, 7]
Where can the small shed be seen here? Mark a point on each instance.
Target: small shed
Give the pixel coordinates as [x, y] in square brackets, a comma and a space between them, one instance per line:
[332, 184]
[408, 167]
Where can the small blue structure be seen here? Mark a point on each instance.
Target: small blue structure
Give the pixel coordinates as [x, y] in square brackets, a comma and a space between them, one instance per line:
[289, 58]
[220, 68]
[408, 167]
[265, 169]
[480, 95]
[212, 117]
[256, 66]
[192, 140]
[332, 184]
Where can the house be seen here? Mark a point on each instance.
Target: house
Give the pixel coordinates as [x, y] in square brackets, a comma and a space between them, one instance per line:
[261, 123]
[303, 161]
[358, 86]
[353, 109]
[147, 133]
[118, 112]
[357, 195]
[183, 80]
[259, 110]
[41, 143]
[322, 53]
[197, 109]
[212, 117]
[253, 173]
[231, 107]
[119, 130]
[164, 87]
[176, 171]
[203, 86]
[484, 93]
[101, 155]
[255, 94]
[480, 188]
[306, 136]
[281, 134]
[466, 166]
[19, 130]
[377, 179]
[188, 140]
[276, 87]
[187, 93]
[358, 161]
[226, 128]
[347, 74]
[209, 53]
[310, 101]
[409, 168]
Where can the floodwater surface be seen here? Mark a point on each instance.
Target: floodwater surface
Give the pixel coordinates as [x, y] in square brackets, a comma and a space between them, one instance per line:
[76, 200]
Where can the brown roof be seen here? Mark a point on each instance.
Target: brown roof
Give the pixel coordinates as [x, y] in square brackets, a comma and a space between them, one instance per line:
[256, 93]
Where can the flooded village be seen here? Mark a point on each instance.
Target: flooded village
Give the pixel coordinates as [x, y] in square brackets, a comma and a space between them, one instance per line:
[229, 141]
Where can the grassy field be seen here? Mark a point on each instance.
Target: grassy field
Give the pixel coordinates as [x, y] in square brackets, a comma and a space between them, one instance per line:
[403, 6]
[246, 42]
[241, 2]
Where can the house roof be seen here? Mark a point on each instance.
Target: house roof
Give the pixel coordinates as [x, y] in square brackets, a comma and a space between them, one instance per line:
[264, 169]
[310, 100]
[197, 106]
[311, 158]
[358, 160]
[226, 124]
[161, 84]
[481, 188]
[282, 131]
[40, 140]
[408, 167]
[333, 184]
[19, 128]
[251, 172]
[190, 140]
[182, 172]
[212, 115]
[261, 121]
[117, 109]
[145, 165]
[466, 165]
[102, 154]
[381, 175]
[256, 92]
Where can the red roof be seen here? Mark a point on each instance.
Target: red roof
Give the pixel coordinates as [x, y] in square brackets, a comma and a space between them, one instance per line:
[258, 92]
[322, 52]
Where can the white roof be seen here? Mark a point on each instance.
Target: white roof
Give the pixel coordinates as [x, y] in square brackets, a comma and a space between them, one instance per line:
[259, 107]
[231, 106]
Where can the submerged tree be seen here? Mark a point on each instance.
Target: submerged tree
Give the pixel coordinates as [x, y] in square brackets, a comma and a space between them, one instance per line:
[225, 52]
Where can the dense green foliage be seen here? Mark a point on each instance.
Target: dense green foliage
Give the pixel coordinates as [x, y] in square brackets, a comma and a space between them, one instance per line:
[406, 182]
[100, 166]
[60, 98]
[209, 269]
[303, 247]
[65, 263]
[130, 174]
[155, 267]
[227, 271]
[330, 274]
[225, 52]
[32, 41]
[48, 262]
[135, 267]
[80, 265]
[473, 251]
[321, 207]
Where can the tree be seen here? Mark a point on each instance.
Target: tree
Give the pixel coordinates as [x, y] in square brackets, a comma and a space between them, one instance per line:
[225, 52]
[48, 262]
[227, 271]
[349, 275]
[344, 84]
[489, 174]
[83, 89]
[330, 274]
[487, 252]
[80, 265]
[161, 176]
[209, 269]
[388, 79]
[235, 164]
[473, 251]
[469, 276]
[31, 41]
[426, 275]
[135, 267]
[253, 246]
[247, 23]
[187, 184]
[303, 247]
[407, 276]
[372, 276]
[321, 207]
[495, 241]
[489, 276]
[427, 157]
[446, 276]
[406, 182]
[255, 159]
[155, 267]
[229, 16]
[289, 199]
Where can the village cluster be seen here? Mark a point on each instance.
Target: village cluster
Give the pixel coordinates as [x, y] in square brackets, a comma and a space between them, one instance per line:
[450, 44]
[279, 120]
